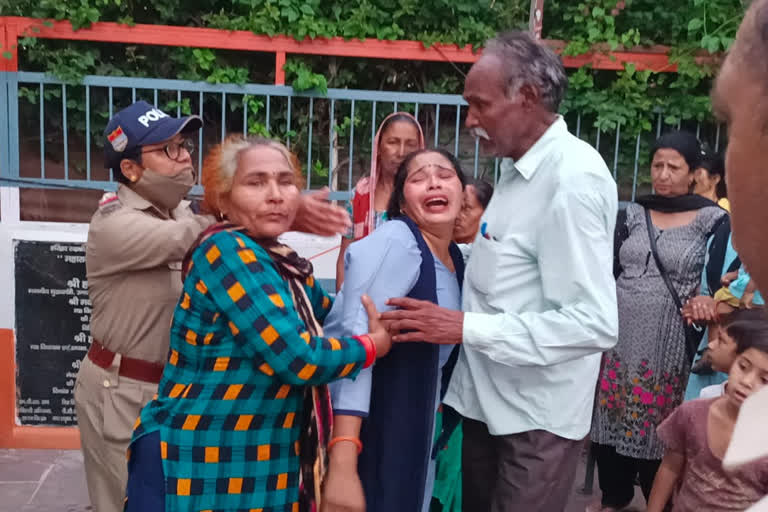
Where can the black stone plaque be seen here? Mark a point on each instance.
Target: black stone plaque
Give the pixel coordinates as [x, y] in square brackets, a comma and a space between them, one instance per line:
[52, 329]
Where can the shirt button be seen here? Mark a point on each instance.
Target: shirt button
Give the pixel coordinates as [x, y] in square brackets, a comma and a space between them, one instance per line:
[106, 383]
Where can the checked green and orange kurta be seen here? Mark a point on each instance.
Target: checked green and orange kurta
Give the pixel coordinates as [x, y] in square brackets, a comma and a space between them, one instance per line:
[229, 406]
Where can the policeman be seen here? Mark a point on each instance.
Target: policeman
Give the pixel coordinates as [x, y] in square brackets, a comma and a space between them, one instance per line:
[136, 241]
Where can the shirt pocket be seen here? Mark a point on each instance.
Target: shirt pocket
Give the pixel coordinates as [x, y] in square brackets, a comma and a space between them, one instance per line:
[483, 264]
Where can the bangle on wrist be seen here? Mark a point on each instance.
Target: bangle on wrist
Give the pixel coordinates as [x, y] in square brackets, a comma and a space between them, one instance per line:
[352, 440]
[370, 349]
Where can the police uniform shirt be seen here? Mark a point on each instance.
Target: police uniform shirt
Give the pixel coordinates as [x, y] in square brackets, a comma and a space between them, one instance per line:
[133, 260]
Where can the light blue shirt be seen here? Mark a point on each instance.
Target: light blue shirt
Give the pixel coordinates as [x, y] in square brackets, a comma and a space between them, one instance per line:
[739, 286]
[384, 264]
[539, 293]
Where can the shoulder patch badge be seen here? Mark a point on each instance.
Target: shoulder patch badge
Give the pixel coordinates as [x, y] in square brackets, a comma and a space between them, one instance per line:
[109, 202]
[118, 139]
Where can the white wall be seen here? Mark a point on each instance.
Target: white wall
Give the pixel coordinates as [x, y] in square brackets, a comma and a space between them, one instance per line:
[11, 228]
[322, 251]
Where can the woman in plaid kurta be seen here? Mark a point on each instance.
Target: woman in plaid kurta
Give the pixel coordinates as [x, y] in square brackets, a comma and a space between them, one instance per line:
[232, 400]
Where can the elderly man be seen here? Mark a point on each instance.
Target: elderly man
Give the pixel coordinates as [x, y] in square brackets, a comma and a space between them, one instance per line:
[739, 99]
[136, 241]
[539, 295]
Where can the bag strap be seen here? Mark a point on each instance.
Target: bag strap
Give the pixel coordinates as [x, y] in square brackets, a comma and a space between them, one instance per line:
[662, 270]
[690, 350]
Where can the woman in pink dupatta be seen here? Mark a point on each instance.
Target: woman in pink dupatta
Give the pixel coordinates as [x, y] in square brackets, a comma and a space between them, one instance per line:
[399, 135]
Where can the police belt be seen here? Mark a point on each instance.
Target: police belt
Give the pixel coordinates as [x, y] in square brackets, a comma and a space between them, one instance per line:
[131, 368]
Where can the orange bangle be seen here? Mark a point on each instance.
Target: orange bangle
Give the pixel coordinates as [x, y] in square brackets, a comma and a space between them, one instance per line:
[354, 440]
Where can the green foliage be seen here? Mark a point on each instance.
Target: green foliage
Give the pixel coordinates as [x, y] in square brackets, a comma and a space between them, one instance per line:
[687, 26]
[627, 100]
[303, 78]
[694, 30]
[343, 129]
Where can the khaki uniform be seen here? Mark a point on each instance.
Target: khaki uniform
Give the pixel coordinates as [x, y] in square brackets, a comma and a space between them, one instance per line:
[133, 260]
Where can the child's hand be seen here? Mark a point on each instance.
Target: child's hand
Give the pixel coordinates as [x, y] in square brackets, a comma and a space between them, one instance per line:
[728, 278]
[747, 300]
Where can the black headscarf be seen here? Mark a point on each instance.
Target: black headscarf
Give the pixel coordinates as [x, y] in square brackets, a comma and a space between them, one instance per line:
[676, 204]
[692, 152]
[684, 143]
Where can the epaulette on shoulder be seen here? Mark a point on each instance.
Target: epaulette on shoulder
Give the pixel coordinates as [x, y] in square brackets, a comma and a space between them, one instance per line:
[109, 202]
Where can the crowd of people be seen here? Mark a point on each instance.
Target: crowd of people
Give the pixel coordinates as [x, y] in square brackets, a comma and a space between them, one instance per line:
[473, 344]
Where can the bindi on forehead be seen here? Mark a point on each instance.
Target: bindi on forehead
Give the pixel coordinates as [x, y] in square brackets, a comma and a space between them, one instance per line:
[418, 163]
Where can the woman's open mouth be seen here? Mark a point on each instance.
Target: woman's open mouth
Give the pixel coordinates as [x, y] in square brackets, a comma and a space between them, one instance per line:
[436, 204]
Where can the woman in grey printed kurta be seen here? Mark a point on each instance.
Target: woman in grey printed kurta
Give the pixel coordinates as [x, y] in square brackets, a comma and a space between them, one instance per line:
[643, 377]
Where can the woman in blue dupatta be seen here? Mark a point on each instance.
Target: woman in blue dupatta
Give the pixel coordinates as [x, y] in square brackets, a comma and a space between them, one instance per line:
[381, 455]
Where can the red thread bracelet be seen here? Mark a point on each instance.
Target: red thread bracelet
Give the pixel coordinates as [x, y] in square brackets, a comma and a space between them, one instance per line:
[353, 440]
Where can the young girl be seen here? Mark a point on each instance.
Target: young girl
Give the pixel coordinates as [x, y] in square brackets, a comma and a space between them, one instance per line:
[697, 435]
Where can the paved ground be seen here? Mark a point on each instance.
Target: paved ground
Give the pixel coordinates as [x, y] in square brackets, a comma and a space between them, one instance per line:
[53, 481]
[42, 481]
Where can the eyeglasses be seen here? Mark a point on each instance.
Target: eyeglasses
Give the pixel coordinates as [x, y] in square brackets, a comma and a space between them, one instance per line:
[173, 149]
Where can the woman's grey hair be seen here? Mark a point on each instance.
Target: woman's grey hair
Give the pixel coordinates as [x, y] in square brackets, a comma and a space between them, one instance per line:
[527, 60]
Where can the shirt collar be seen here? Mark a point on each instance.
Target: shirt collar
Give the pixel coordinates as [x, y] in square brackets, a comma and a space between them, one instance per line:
[529, 163]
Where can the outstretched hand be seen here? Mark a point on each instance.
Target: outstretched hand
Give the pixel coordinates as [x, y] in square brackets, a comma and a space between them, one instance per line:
[318, 216]
[424, 321]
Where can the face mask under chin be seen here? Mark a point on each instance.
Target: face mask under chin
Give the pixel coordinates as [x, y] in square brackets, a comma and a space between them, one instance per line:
[165, 192]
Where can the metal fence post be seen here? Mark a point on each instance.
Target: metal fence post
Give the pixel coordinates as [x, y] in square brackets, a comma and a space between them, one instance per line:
[5, 128]
[12, 99]
[9, 99]
[536, 20]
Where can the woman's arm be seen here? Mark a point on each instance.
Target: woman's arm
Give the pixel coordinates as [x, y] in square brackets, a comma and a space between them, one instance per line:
[238, 276]
[320, 301]
[666, 480]
[137, 241]
[383, 265]
[343, 490]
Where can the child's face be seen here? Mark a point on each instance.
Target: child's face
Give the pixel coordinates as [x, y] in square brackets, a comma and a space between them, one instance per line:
[722, 349]
[748, 374]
